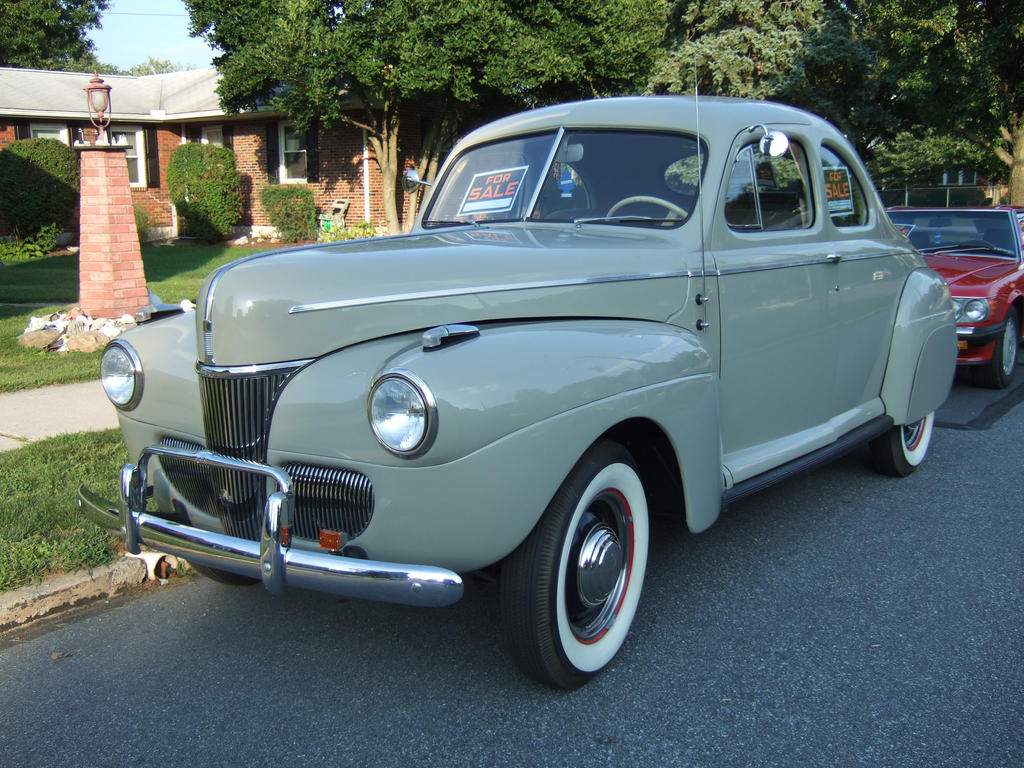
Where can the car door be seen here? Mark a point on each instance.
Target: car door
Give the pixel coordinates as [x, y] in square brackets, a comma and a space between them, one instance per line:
[869, 275]
[778, 334]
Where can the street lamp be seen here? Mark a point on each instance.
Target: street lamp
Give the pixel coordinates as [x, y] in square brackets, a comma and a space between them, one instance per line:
[97, 96]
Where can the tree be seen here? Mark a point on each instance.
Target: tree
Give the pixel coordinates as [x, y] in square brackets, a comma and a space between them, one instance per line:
[153, 66]
[734, 47]
[371, 64]
[814, 54]
[957, 69]
[47, 34]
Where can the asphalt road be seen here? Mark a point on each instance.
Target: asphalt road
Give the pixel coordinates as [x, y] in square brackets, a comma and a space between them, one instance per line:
[841, 619]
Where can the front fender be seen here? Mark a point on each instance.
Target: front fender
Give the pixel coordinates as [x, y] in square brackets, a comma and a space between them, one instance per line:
[486, 388]
[922, 356]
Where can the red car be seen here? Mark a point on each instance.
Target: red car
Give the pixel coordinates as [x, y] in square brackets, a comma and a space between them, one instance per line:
[980, 252]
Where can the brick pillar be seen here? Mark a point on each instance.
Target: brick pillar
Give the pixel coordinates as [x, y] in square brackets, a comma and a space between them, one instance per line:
[111, 282]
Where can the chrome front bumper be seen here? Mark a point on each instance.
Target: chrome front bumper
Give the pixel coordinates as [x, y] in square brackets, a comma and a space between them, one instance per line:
[268, 559]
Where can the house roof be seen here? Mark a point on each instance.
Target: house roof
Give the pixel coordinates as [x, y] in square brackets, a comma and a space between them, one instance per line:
[149, 98]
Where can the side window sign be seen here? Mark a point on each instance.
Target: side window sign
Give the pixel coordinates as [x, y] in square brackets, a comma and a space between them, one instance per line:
[493, 191]
[838, 190]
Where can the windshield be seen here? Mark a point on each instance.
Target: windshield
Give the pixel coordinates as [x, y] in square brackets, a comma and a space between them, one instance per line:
[988, 233]
[614, 177]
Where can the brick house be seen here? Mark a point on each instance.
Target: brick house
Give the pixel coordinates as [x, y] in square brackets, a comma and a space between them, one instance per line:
[153, 114]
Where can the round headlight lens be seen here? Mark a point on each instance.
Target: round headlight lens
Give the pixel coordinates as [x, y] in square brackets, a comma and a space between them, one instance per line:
[975, 311]
[121, 375]
[401, 414]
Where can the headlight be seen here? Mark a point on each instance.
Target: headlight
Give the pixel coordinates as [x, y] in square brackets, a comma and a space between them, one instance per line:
[971, 310]
[121, 374]
[403, 413]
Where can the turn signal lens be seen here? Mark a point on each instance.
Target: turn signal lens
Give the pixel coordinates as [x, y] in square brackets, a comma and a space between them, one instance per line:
[330, 540]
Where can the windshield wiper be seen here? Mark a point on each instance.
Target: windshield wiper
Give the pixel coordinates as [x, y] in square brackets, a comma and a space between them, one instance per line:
[624, 220]
[969, 249]
[450, 222]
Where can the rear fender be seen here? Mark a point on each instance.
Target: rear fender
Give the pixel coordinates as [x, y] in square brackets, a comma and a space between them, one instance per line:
[922, 355]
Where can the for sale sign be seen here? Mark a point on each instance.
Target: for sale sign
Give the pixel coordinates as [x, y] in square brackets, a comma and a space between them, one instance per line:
[838, 190]
[493, 191]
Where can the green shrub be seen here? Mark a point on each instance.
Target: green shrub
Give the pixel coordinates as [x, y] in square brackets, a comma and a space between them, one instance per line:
[141, 221]
[358, 230]
[38, 185]
[205, 190]
[291, 210]
[25, 249]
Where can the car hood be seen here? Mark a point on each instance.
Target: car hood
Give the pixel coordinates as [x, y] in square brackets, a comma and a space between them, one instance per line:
[971, 273]
[301, 303]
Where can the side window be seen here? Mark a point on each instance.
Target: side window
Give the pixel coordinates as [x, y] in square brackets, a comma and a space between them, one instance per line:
[769, 193]
[846, 203]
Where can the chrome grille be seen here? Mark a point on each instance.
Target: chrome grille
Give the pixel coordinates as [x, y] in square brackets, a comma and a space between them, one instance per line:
[237, 408]
[325, 497]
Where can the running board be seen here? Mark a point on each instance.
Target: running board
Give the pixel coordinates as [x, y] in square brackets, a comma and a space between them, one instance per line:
[852, 439]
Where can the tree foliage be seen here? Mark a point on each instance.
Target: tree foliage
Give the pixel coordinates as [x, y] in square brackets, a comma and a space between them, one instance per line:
[47, 34]
[366, 64]
[734, 47]
[957, 66]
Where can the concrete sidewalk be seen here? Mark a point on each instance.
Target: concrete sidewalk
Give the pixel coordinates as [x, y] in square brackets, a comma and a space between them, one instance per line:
[34, 414]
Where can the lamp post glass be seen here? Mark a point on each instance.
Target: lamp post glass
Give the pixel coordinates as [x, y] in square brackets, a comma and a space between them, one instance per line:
[97, 95]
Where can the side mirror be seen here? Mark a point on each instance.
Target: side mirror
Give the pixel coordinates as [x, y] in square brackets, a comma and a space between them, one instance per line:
[412, 181]
[773, 143]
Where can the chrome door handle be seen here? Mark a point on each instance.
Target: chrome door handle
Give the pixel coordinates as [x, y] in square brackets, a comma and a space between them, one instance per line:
[834, 258]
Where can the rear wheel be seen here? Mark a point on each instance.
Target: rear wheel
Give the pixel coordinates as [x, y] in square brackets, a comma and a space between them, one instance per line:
[900, 450]
[997, 373]
[570, 591]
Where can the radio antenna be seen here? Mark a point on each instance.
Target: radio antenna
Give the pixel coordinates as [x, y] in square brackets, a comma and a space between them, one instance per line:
[702, 297]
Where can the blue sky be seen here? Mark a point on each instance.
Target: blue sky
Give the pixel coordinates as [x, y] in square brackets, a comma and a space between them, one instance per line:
[135, 30]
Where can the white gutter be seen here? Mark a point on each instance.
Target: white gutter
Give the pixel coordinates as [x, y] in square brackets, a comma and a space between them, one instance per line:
[366, 179]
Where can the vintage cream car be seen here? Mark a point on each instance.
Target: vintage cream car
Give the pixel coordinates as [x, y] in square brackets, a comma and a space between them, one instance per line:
[605, 309]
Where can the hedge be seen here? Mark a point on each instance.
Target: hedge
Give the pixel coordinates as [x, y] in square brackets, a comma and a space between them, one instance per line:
[205, 189]
[38, 185]
[292, 211]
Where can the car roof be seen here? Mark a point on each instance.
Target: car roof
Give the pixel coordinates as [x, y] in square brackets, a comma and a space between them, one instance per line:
[716, 115]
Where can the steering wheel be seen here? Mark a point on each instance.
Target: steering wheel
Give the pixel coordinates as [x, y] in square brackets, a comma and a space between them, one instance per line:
[670, 207]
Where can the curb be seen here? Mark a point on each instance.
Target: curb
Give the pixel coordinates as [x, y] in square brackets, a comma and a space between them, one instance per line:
[61, 593]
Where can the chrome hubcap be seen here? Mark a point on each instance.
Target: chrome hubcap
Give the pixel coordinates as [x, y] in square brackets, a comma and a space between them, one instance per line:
[600, 563]
[597, 571]
[1009, 347]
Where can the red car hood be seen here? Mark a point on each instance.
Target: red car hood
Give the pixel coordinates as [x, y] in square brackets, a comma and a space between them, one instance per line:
[970, 272]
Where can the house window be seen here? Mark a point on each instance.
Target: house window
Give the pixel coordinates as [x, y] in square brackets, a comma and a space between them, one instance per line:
[292, 154]
[213, 134]
[57, 131]
[130, 139]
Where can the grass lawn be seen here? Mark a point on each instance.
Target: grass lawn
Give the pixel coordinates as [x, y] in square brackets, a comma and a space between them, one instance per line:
[42, 531]
[22, 368]
[172, 272]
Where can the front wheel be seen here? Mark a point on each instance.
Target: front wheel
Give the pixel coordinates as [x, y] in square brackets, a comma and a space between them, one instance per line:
[900, 450]
[570, 591]
[997, 373]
